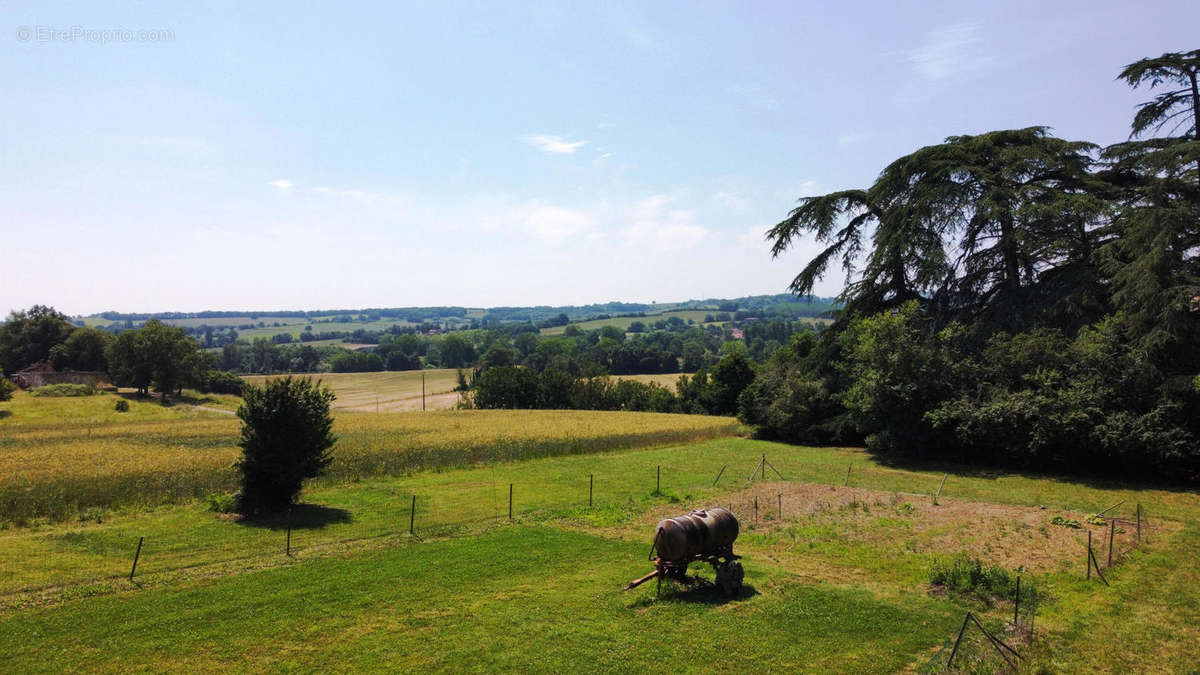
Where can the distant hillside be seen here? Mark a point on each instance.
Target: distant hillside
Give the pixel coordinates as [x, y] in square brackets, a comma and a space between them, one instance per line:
[784, 302]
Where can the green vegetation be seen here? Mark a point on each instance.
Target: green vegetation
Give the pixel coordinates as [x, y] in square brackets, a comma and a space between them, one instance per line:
[65, 390]
[286, 439]
[59, 456]
[526, 598]
[970, 576]
[831, 587]
[1023, 301]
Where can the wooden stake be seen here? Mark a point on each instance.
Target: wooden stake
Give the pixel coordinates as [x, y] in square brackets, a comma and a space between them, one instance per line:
[136, 555]
[1097, 564]
[775, 470]
[847, 481]
[510, 485]
[958, 639]
[591, 486]
[1017, 602]
[1088, 562]
[763, 465]
[756, 509]
[939, 492]
[658, 481]
[1139, 523]
[412, 515]
[422, 392]
[781, 507]
[719, 474]
[1112, 530]
[287, 549]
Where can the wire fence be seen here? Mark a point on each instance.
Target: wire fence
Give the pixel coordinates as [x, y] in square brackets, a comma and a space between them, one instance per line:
[145, 547]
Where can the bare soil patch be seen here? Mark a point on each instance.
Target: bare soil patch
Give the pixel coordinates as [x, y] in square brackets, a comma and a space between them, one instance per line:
[1016, 537]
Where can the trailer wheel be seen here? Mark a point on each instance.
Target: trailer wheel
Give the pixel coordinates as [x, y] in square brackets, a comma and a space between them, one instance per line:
[729, 577]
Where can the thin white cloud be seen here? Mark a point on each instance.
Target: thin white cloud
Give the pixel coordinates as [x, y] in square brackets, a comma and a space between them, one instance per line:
[553, 144]
[948, 51]
[281, 184]
[655, 226]
[754, 238]
[848, 139]
[553, 224]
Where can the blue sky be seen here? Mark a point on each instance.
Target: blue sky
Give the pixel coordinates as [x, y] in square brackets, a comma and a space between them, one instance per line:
[252, 156]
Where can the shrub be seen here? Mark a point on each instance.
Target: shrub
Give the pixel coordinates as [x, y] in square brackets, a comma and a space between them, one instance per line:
[222, 503]
[122, 405]
[222, 382]
[969, 576]
[6, 388]
[65, 390]
[286, 437]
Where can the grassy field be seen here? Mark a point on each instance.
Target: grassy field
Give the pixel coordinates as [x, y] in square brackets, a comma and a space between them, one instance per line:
[837, 578]
[623, 322]
[388, 391]
[61, 456]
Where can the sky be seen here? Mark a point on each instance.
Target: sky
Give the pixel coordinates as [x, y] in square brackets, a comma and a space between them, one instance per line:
[162, 156]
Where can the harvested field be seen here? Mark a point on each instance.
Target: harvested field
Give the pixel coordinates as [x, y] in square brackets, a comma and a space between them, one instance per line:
[899, 523]
[388, 391]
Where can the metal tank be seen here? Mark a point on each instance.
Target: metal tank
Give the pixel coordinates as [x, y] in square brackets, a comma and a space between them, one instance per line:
[699, 536]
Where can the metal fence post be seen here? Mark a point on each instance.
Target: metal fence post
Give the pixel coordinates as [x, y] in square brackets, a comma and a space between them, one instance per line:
[591, 487]
[1112, 530]
[510, 488]
[412, 515]
[1017, 602]
[136, 556]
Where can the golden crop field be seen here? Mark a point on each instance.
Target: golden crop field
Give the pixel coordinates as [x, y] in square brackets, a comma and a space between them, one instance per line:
[57, 466]
[389, 391]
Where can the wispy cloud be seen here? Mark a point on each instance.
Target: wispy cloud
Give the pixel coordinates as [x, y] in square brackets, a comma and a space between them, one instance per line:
[553, 224]
[281, 184]
[948, 51]
[656, 226]
[848, 139]
[553, 144]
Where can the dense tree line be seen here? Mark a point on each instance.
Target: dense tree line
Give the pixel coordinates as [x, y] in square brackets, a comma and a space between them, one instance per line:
[1012, 298]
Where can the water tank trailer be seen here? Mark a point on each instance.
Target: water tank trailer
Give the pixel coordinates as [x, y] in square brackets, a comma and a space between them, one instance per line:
[700, 536]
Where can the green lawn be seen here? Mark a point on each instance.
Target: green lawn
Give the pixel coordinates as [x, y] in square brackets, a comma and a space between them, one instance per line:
[518, 599]
[842, 589]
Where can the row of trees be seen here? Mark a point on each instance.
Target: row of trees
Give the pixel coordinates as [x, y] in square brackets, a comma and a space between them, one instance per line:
[1012, 298]
[707, 392]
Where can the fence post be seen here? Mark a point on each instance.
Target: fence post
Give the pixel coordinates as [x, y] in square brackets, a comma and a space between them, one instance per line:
[1017, 602]
[412, 515]
[781, 507]
[1112, 530]
[510, 485]
[658, 481]
[591, 487]
[939, 492]
[1088, 560]
[719, 474]
[1139, 523]
[287, 548]
[958, 639]
[136, 555]
[847, 481]
[763, 466]
[756, 509]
